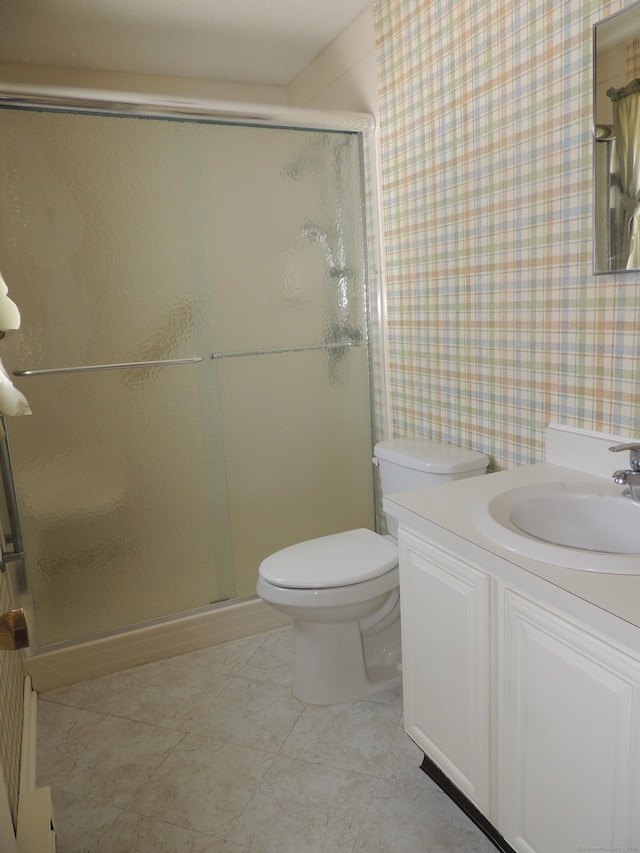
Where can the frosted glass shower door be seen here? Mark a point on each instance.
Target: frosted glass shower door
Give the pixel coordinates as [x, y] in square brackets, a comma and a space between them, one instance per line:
[291, 354]
[150, 491]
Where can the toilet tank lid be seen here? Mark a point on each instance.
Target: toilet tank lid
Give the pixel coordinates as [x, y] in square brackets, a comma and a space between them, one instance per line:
[435, 457]
[335, 560]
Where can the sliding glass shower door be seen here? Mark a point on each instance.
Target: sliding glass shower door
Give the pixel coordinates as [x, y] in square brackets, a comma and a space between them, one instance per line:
[194, 350]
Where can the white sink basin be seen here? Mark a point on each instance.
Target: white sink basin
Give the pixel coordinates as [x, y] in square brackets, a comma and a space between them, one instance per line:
[588, 526]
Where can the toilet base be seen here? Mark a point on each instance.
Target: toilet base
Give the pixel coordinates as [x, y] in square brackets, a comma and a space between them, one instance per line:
[329, 664]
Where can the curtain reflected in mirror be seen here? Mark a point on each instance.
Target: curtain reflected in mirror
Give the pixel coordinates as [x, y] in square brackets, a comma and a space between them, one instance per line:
[625, 178]
[617, 142]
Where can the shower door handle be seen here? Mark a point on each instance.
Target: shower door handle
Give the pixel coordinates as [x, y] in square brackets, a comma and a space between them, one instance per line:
[124, 365]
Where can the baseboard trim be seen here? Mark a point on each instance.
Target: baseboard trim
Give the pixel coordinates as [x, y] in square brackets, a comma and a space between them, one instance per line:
[35, 831]
[104, 655]
[464, 804]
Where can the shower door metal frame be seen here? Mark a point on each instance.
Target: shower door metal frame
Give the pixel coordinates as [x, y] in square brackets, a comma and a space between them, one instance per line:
[145, 105]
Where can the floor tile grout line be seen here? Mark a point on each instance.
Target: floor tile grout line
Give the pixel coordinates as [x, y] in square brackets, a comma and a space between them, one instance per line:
[248, 803]
[111, 715]
[151, 775]
[364, 816]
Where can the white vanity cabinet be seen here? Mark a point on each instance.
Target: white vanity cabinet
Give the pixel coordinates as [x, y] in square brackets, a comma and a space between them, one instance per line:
[531, 713]
[568, 710]
[446, 663]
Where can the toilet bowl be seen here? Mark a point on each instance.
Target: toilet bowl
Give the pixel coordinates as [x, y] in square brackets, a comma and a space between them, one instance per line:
[338, 589]
[342, 590]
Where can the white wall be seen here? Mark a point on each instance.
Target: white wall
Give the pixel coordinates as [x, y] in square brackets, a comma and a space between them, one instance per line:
[116, 81]
[344, 75]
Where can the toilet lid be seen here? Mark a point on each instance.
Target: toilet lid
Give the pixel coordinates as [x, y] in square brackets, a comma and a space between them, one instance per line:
[336, 560]
[423, 454]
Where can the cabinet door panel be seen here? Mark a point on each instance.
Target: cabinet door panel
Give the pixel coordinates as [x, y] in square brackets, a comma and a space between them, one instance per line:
[570, 713]
[445, 625]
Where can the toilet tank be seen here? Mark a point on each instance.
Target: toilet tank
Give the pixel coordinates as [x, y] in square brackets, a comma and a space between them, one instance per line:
[413, 463]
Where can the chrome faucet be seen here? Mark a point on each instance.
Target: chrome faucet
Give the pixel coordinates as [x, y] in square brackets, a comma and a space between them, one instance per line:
[630, 477]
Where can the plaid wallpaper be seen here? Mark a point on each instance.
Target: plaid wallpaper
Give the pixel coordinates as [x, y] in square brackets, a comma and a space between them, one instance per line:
[496, 324]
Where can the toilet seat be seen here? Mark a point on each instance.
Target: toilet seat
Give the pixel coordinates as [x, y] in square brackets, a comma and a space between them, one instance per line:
[340, 559]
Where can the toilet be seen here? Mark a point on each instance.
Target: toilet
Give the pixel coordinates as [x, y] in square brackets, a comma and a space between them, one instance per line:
[342, 590]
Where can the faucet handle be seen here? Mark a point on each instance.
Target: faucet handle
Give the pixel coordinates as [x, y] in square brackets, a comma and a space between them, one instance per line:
[634, 453]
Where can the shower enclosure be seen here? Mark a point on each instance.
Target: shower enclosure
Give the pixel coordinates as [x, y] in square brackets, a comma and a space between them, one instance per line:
[195, 348]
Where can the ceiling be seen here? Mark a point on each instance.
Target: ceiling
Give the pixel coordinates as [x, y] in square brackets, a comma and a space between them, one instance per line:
[247, 41]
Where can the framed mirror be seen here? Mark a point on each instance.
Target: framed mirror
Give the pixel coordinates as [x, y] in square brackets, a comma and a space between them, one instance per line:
[616, 158]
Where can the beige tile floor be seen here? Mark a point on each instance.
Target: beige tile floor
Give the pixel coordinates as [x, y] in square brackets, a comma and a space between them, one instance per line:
[210, 752]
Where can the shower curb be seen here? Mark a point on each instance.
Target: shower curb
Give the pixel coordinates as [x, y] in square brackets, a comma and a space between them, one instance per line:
[79, 661]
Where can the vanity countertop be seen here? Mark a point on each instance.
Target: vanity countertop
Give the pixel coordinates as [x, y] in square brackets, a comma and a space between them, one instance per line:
[454, 507]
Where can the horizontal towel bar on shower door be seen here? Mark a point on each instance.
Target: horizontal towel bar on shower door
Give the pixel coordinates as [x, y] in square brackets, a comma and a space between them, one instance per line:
[337, 345]
[88, 368]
